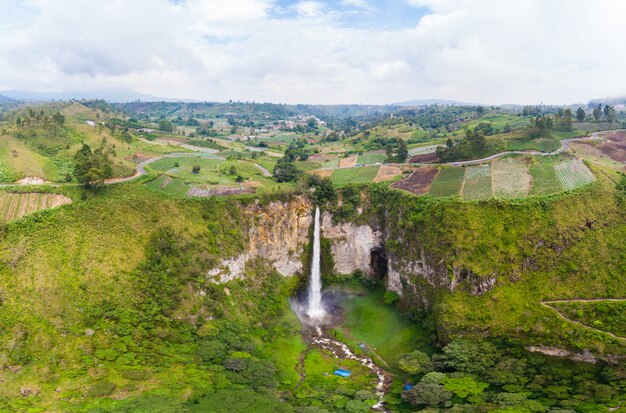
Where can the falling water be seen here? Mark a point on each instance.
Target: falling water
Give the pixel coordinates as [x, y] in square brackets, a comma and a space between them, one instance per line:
[315, 309]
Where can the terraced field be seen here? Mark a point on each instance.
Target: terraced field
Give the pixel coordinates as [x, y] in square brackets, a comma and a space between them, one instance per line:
[573, 174]
[13, 206]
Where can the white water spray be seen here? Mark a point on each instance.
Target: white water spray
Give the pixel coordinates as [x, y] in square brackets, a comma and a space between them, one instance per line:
[315, 309]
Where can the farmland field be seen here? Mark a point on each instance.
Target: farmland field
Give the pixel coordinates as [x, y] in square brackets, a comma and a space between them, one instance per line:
[14, 206]
[448, 182]
[344, 176]
[348, 162]
[510, 178]
[387, 173]
[213, 171]
[169, 185]
[421, 150]
[419, 181]
[545, 181]
[573, 174]
[371, 157]
[477, 182]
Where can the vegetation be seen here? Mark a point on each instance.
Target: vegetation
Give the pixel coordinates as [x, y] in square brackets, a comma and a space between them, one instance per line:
[106, 305]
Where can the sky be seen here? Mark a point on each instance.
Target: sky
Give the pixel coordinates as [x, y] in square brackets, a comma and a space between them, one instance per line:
[319, 51]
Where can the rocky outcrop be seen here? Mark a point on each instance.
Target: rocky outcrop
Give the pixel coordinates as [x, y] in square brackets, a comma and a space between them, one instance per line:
[351, 245]
[276, 232]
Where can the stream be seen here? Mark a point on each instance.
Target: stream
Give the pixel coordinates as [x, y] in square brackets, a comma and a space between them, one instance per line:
[315, 314]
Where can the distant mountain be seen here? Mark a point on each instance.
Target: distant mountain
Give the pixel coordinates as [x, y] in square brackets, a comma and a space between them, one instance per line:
[110, 95]
[6, 99]
[608, 101]
[424, 102]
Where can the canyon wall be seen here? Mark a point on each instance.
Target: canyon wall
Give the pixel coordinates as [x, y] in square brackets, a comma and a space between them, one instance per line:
[279, 231]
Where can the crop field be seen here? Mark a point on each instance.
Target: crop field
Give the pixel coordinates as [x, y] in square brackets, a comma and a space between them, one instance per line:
[169, 185]
[472, 172]
[371, 158]
[13, 206]
[448, 182]
[421, 150]
[477, 182]
[545, 181]
[348, 162]
[213, 171]
[419, 181]
[510, 178]
[387, 173]
[344, 176]
[573, 174]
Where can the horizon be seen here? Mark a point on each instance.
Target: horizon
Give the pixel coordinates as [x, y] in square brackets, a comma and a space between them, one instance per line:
[335, 51]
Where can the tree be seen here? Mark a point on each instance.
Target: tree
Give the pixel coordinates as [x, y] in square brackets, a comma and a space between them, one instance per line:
[397, 151]
[597, 113]
[428, 394]
[166, 126]
[415, 362]
[507, 128]
[285, 171]
[311, 123]
[470, 356]
[566, 121]
[464, 386]
[580, 114]
[92, 168]
[195, 169]
[58, 118]
[609, 113]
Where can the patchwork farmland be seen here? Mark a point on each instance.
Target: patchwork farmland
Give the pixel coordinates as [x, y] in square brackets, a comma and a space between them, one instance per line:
[503, 178]
[13, 206]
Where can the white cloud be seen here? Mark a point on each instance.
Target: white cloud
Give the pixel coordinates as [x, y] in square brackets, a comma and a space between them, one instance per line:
[525, 51]
[359, 4]
[310, 8]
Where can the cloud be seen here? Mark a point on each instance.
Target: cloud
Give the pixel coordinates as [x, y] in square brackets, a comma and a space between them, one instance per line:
[359, 4]
[310, 8]
[489, 51]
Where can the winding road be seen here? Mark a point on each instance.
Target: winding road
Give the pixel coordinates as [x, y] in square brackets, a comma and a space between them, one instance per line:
[205, 152]
[565, 144]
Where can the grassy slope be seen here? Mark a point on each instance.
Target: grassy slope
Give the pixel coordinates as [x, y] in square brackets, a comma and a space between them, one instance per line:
[545, 248]
[58, 263]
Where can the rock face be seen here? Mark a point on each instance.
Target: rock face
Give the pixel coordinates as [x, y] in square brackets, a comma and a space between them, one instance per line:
[276, 232]
[351, 245]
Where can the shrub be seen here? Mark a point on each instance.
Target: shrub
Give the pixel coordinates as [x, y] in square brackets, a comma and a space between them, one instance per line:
[101, 388]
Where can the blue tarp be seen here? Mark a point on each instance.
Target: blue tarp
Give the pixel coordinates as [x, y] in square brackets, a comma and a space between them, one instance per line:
[408, 386]
[342, 373]
[362, 346]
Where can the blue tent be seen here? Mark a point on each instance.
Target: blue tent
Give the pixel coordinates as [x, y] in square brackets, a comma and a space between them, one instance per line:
[342, 373]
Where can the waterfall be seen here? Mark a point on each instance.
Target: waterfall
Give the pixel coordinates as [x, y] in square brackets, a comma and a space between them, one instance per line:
[315, 309]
